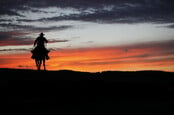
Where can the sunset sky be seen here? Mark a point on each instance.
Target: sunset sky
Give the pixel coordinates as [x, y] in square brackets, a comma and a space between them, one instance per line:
[89, 35]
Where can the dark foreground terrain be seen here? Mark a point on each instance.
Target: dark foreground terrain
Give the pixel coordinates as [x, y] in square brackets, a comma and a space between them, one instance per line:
[28, 92]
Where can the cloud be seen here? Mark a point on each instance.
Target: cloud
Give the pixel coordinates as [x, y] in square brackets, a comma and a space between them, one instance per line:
[156, 55]
[16, 42]
[8, 12]
[55, 41]
[24, 66]
[20, 34]
[14, 38]
[156, 45]
[34, 28]
[170, 26]
[4, 36]
[145, 56]
[150, 50]
[142, 50]
[119, 13]
[89, 42]
[102, 11]
[17, 49]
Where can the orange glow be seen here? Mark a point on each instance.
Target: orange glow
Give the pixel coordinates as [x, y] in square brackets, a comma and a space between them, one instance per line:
[96, 59]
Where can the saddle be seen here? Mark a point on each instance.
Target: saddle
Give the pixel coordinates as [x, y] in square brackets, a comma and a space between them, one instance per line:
[40, 53]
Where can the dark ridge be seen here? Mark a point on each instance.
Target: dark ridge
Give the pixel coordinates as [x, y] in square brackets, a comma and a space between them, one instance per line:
[77, 75]
[26, 92]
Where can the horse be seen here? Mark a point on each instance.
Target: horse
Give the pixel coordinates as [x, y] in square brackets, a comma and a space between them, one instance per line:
[39, 59]
[40, 55]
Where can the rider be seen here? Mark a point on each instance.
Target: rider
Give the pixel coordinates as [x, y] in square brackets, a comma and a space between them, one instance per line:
[40, 41]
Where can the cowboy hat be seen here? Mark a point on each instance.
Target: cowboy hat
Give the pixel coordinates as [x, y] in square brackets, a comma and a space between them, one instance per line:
[42, 34]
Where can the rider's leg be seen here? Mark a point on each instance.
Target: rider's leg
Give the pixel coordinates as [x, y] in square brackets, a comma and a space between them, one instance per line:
[44, 64]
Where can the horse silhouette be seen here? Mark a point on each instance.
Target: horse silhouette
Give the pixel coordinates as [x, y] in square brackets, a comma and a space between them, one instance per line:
[40, 53]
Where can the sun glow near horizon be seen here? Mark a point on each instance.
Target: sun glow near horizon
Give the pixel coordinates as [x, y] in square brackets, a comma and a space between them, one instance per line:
[98, 59]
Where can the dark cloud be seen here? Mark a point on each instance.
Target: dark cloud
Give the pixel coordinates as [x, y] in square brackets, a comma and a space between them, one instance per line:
[53, 28]
[100, 11]
[22, 66]
[89, 42]
[16, 42]
[8, 12]
[15, 26]
[158, 45]
[138, 56]
[19, 49]
[19, 38]
[154, 52]
[34, 28]
[55, 41]
[18, 35]
[11, 34]
[79, 3]
[153, 49]
[170, 26]
[4, 36]
[122, 11]
[14, 38]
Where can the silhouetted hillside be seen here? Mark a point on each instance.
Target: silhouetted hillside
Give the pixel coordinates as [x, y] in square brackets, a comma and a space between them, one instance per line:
[77, 76]
[82, 93]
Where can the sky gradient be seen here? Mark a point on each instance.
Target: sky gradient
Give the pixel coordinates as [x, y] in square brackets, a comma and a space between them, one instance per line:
[93, 35]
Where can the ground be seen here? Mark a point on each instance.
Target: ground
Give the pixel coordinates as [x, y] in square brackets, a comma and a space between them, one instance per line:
[26, 92]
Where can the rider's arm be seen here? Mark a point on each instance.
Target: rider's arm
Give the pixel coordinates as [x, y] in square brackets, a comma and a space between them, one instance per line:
[46, 41]
[35, 42]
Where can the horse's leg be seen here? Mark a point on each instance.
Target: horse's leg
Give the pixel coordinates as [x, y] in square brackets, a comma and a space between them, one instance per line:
[37, 64]
[44, 64]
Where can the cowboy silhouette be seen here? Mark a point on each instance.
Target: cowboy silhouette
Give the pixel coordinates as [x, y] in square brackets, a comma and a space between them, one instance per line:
[39, 45]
